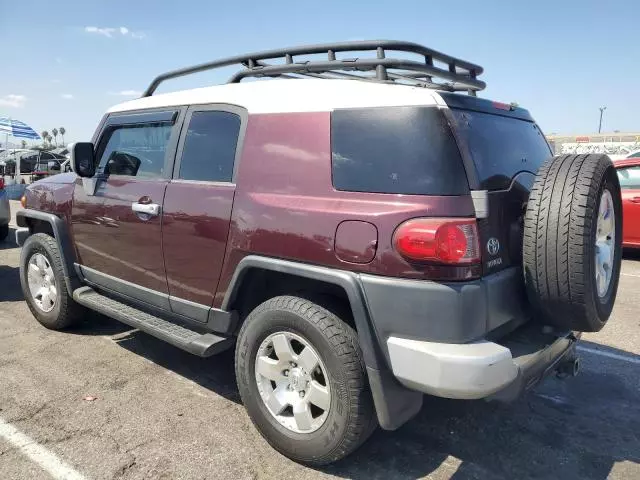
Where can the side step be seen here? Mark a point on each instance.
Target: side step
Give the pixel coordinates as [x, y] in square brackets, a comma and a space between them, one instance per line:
[203, 345]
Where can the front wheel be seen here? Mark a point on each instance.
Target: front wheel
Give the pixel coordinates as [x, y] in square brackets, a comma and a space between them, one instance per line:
[43, 283]
[302, 379]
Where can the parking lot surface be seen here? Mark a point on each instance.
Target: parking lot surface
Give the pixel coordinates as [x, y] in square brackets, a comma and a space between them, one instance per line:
[105, 401]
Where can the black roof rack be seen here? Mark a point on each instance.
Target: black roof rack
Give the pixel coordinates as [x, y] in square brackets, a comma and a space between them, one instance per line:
[452, 74]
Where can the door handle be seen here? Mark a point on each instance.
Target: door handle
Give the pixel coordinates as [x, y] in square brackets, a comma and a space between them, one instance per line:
[635, 200]
[152, 209]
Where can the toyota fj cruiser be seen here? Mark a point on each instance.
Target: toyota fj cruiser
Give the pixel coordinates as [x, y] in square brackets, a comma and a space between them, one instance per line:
[362, 237]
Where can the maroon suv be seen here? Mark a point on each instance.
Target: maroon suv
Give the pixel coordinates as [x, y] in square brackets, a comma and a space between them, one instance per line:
[362, 237]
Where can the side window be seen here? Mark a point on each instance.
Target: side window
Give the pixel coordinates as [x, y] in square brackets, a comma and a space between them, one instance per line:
[136, 150]
[629, 177]
[210, 147]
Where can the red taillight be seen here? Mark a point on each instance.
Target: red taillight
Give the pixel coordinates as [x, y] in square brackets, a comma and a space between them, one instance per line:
[439, 240]
[1, 183]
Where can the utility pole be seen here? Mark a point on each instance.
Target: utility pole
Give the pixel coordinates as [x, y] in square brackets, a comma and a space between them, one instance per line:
[602, 109]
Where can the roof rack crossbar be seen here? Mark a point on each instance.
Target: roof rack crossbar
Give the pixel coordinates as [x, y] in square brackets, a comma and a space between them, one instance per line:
[363, 64]
[413, 78]
[461, 74]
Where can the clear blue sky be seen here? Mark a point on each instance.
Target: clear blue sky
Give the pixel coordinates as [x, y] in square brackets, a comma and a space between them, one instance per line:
[560, 59]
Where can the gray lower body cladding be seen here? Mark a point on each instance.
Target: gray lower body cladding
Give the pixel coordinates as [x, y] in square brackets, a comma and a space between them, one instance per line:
[445, 312]
[466, 340]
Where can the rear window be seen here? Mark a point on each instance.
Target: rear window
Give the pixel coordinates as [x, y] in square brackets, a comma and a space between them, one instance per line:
[501, 146]
[408, 150]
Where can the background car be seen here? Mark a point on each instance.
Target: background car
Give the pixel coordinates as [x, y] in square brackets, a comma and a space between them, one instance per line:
[629, 175]
[31, 159]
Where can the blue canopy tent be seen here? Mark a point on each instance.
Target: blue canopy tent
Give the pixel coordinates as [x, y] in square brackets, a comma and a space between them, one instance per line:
[15, 128]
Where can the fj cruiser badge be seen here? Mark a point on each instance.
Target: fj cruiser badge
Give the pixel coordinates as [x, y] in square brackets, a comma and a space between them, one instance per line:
[493, 246]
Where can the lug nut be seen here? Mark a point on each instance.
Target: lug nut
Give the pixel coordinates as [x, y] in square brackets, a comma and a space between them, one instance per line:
[293, 364]
[286, 373]
[301, 393]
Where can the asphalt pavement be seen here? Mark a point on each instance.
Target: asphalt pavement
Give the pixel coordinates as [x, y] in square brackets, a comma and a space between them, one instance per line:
[103, 401]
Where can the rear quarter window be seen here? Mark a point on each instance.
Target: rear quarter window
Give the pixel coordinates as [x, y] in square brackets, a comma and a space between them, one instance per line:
[401, 150]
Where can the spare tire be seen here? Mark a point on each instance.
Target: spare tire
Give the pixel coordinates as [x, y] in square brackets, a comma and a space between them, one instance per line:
[572, 245]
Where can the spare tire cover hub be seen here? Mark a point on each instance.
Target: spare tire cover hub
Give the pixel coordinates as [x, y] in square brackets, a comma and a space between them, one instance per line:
[605, 243]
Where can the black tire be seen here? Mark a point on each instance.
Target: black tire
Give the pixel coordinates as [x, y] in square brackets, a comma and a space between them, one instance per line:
[559, 241]
[4, 232]
[66, 311]
[351, 418]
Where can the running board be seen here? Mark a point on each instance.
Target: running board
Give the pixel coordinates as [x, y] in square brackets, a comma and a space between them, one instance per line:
[203, 345]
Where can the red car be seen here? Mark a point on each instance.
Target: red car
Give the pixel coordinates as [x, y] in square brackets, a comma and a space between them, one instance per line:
[629, 175]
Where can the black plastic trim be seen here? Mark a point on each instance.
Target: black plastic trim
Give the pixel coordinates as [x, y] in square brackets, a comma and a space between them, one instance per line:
[146, 295]
[61, 234]
[466, 102]
[195, 311]
[207, 318]
[394, 403]
[21, 235]
[222, 321]
[192, 341]
[347, 280]
[143, 116]
[454, 312]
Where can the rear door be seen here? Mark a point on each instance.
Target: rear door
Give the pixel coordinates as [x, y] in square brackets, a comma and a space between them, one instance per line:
[630, 184]
[505, 149]
[197, 206]
[121, 247]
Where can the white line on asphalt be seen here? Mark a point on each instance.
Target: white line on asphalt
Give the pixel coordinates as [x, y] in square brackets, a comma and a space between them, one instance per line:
[630, 275]
[53, 465]
[624, 358]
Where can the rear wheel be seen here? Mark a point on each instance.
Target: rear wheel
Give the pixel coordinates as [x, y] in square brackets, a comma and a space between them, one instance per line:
[302, 379]
[43, 283]
[573, 241]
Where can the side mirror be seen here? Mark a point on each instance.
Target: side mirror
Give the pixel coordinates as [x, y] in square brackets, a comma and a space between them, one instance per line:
[82, 159]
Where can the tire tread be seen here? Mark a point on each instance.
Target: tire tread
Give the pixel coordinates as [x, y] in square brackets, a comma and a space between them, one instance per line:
[344, 343]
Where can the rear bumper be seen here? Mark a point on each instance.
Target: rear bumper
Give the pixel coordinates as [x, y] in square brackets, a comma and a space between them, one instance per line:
[463, 340]
[482, 368]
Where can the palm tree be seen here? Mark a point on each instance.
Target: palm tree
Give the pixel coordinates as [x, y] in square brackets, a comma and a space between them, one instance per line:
[24, 144]
[55, 134]
[44, 134]
[62, 132]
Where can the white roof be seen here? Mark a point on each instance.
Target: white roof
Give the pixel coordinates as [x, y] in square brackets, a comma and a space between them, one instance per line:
[294, 95]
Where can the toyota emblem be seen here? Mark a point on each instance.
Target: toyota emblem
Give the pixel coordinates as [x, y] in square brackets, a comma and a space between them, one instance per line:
[493, 246]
